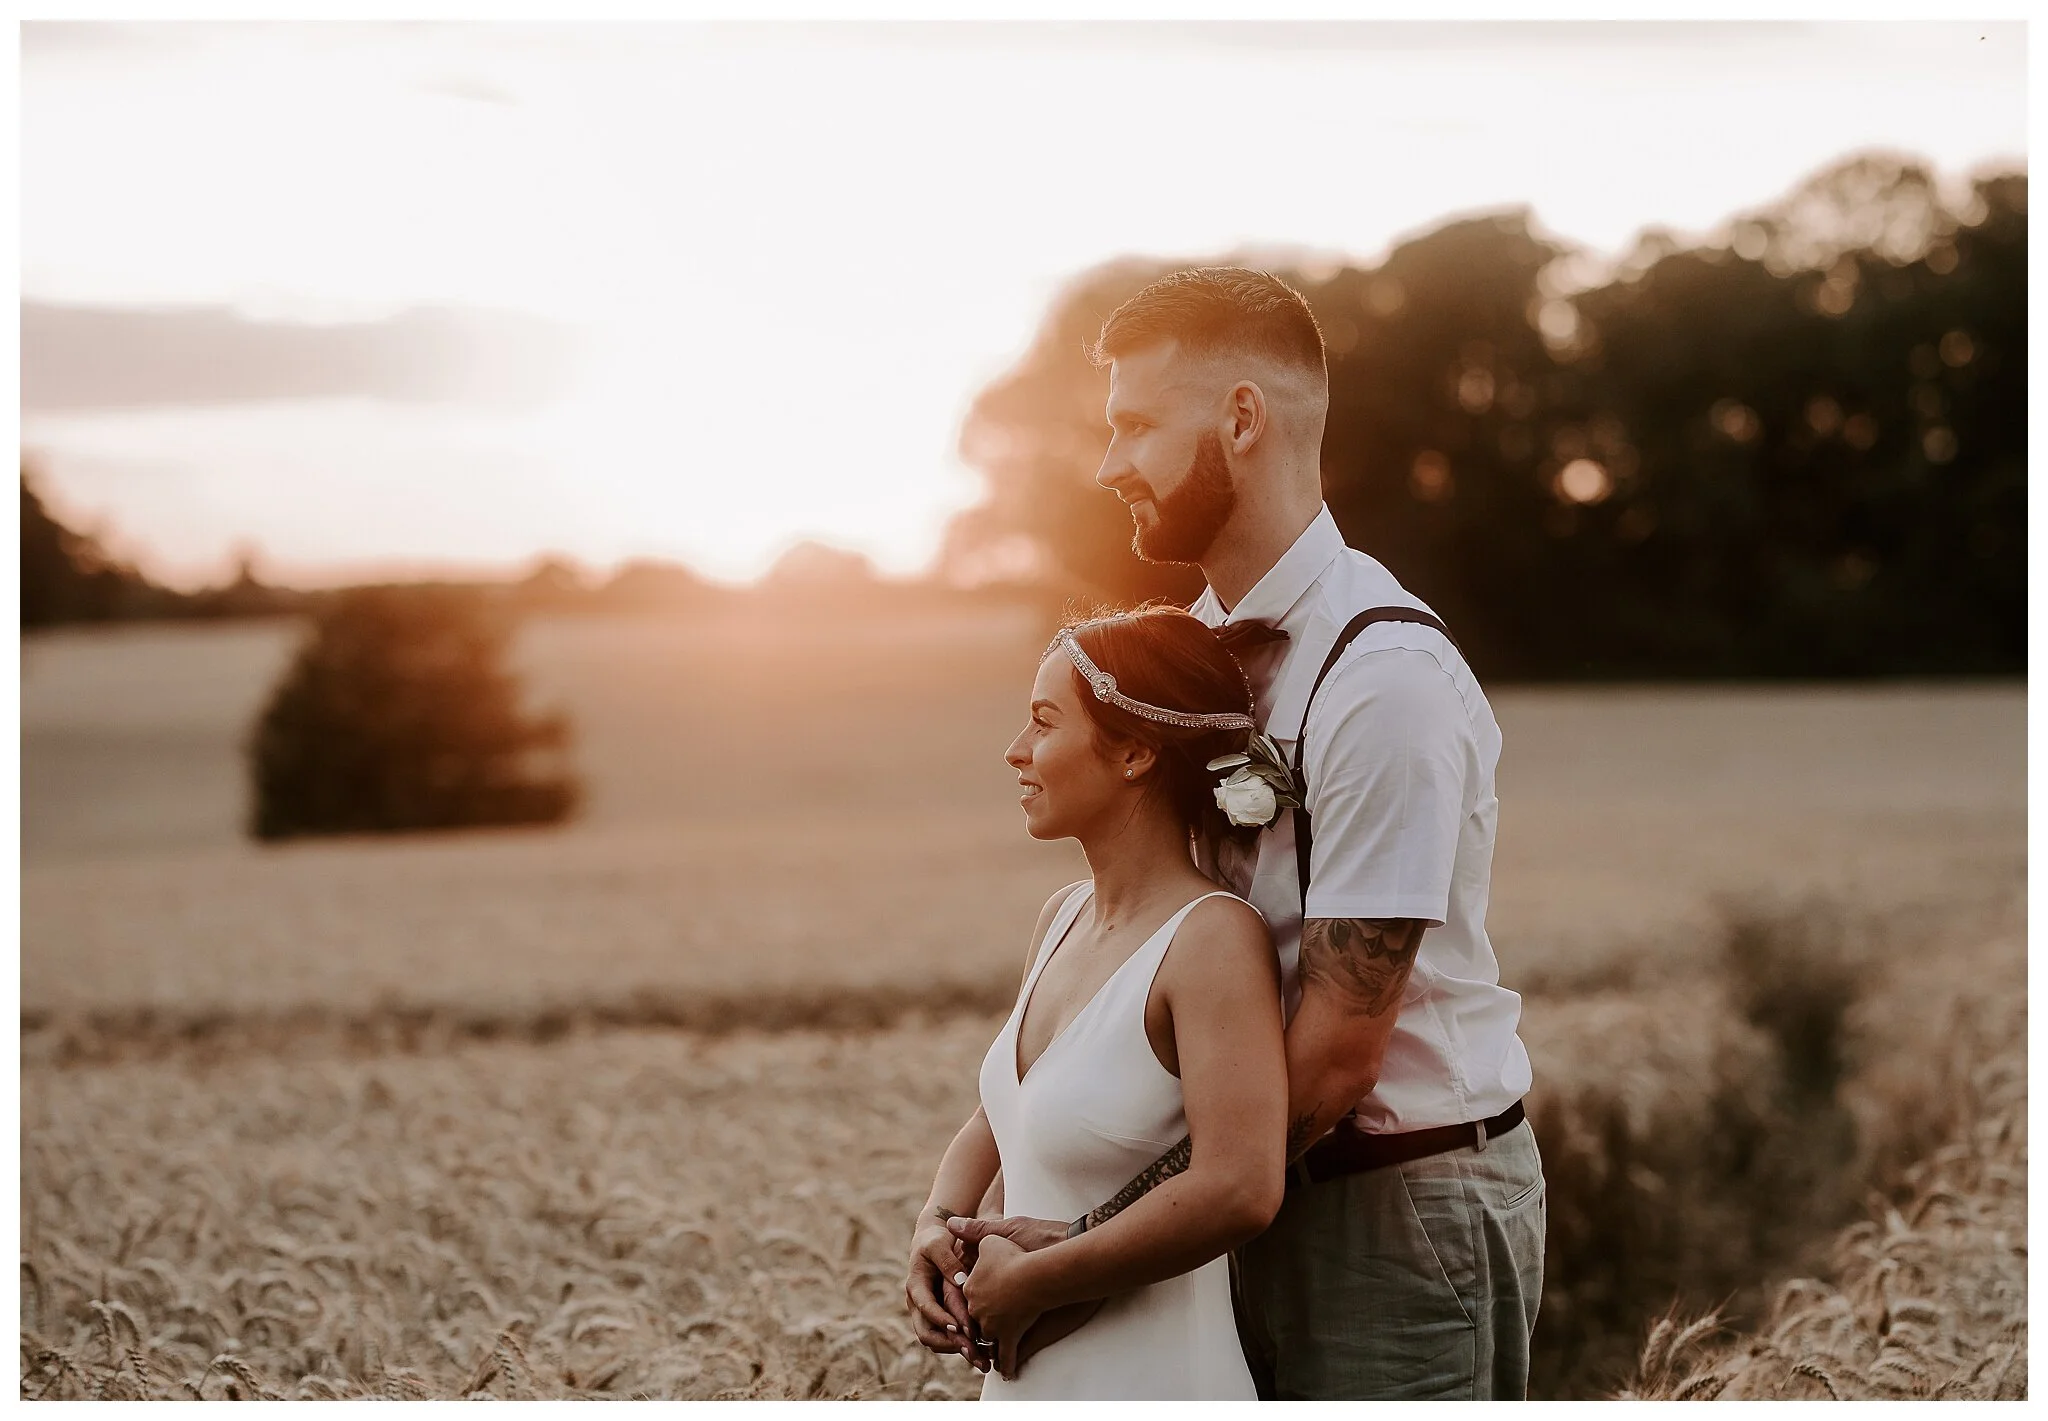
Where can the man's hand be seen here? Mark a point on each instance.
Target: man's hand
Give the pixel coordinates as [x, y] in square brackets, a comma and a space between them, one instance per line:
[1001, 1300]
[1028, 1234]
[1051, 1326]
[938, 1309]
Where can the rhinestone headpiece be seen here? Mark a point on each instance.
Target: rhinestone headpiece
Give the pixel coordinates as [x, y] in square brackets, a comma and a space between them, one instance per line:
[1104, 685]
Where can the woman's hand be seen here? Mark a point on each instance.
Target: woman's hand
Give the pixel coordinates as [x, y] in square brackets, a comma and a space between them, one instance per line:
[938, 1309]
[1001, 1299]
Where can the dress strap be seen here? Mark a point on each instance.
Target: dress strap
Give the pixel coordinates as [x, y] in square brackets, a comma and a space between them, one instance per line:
[1139, 988]
[1056, 931]
[1163, 939]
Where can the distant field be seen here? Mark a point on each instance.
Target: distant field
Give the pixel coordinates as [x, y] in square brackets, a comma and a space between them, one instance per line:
[382, 1117]
[820, 807]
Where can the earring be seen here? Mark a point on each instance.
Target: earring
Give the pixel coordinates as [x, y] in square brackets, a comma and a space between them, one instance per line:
[1127, 772]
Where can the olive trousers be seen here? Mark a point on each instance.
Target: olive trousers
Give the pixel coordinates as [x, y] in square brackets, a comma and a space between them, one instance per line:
[1417, 1280]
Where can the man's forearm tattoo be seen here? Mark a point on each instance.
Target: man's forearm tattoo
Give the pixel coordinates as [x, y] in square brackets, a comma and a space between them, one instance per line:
[1301, 1133]
[1174, 1161]
[1364, 961]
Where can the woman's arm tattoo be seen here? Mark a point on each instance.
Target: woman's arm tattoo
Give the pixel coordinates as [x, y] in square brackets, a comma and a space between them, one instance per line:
[1174, 1161]
[1365, 962]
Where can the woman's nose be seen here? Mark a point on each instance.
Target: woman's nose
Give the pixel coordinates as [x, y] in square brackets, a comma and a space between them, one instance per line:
[1015, 756]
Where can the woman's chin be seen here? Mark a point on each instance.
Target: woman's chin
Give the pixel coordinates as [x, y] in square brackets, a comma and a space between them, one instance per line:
[1038, 824]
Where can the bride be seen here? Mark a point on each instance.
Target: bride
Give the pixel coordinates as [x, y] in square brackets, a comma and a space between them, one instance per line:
[1150, 1012]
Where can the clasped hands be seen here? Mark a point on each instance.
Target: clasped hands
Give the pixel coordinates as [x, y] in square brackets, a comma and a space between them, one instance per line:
[973, 1290]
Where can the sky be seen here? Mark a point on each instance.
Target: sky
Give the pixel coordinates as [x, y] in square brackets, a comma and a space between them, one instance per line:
[720, 288]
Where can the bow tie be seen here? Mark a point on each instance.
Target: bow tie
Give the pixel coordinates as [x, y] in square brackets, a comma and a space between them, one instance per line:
[1240, 637]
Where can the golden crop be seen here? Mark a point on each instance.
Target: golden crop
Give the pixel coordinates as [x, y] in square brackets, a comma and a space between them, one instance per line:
[1926, 1298]
[623, 1213]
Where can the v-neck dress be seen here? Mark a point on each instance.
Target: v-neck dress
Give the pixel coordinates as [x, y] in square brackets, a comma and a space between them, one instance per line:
[1093, 1110]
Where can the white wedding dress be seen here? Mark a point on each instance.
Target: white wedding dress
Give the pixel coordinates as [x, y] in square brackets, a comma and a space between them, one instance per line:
[1094, 1109]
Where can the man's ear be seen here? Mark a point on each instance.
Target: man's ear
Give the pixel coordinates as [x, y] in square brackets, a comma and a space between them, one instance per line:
[1248, 416]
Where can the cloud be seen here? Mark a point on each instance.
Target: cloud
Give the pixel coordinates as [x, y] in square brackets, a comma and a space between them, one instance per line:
[1283, 36]
[470, 89]
[110, 357]
[55, 37]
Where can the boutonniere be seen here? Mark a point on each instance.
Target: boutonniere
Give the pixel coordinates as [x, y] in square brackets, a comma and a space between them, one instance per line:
[1259, 785]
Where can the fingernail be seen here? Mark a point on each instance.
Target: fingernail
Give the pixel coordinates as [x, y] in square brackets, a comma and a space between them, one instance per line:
[960, 1279]
[950, 1327]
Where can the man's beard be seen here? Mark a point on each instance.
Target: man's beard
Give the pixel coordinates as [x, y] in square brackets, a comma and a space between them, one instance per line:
[1187, 520]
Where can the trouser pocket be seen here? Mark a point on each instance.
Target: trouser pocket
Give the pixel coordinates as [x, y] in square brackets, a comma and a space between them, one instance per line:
[1358, 1285]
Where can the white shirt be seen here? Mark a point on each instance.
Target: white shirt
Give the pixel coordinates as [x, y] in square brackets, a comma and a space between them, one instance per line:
[1402, 747]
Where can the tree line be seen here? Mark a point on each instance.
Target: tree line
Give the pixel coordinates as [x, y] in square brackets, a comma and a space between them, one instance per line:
[1795, 450]
[1798, 450]
[69, 576]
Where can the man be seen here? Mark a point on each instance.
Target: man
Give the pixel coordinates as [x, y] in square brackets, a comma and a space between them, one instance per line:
[1407, 1259]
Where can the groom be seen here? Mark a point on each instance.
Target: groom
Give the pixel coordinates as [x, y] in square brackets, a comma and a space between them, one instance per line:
[1407, 1260]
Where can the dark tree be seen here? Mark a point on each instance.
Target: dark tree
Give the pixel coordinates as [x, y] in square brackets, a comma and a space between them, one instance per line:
[1796, 451]
[66, 576]
[398, 715]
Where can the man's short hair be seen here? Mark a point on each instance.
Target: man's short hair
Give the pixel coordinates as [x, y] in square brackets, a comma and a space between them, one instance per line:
[1214, 310]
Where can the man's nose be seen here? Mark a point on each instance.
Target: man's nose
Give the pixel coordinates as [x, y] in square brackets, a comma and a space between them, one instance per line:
[1115, 473]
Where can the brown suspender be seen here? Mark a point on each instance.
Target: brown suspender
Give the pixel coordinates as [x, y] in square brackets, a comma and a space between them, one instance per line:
[1344, 639]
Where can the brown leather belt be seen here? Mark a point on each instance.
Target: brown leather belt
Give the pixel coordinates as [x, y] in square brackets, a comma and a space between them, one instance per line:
[1348, 1151]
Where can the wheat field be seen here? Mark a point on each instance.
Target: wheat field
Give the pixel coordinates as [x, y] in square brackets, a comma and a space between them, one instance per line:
[1925, 1297]
[643, 1105]
[634, 1213]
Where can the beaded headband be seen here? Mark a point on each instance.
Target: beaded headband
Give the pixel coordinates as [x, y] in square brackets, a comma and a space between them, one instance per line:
[1104, 685]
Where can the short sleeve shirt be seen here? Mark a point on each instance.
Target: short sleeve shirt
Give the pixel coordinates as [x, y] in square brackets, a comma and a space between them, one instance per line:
[1402, 748]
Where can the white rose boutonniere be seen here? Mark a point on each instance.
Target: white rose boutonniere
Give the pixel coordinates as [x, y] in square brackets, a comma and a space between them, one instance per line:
[1248, 799]
[1259, 785]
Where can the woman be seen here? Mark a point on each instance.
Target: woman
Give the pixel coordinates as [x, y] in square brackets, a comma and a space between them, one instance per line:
[1150, 1012]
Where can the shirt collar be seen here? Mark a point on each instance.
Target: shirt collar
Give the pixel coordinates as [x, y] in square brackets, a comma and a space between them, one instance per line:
[1280, 595]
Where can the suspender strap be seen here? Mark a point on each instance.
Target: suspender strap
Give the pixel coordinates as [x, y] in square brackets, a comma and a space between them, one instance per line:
[1352, 628]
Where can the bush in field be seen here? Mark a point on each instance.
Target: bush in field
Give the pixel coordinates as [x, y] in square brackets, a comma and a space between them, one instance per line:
[398, 715]
[1700, 1189]
[1926, 1295]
